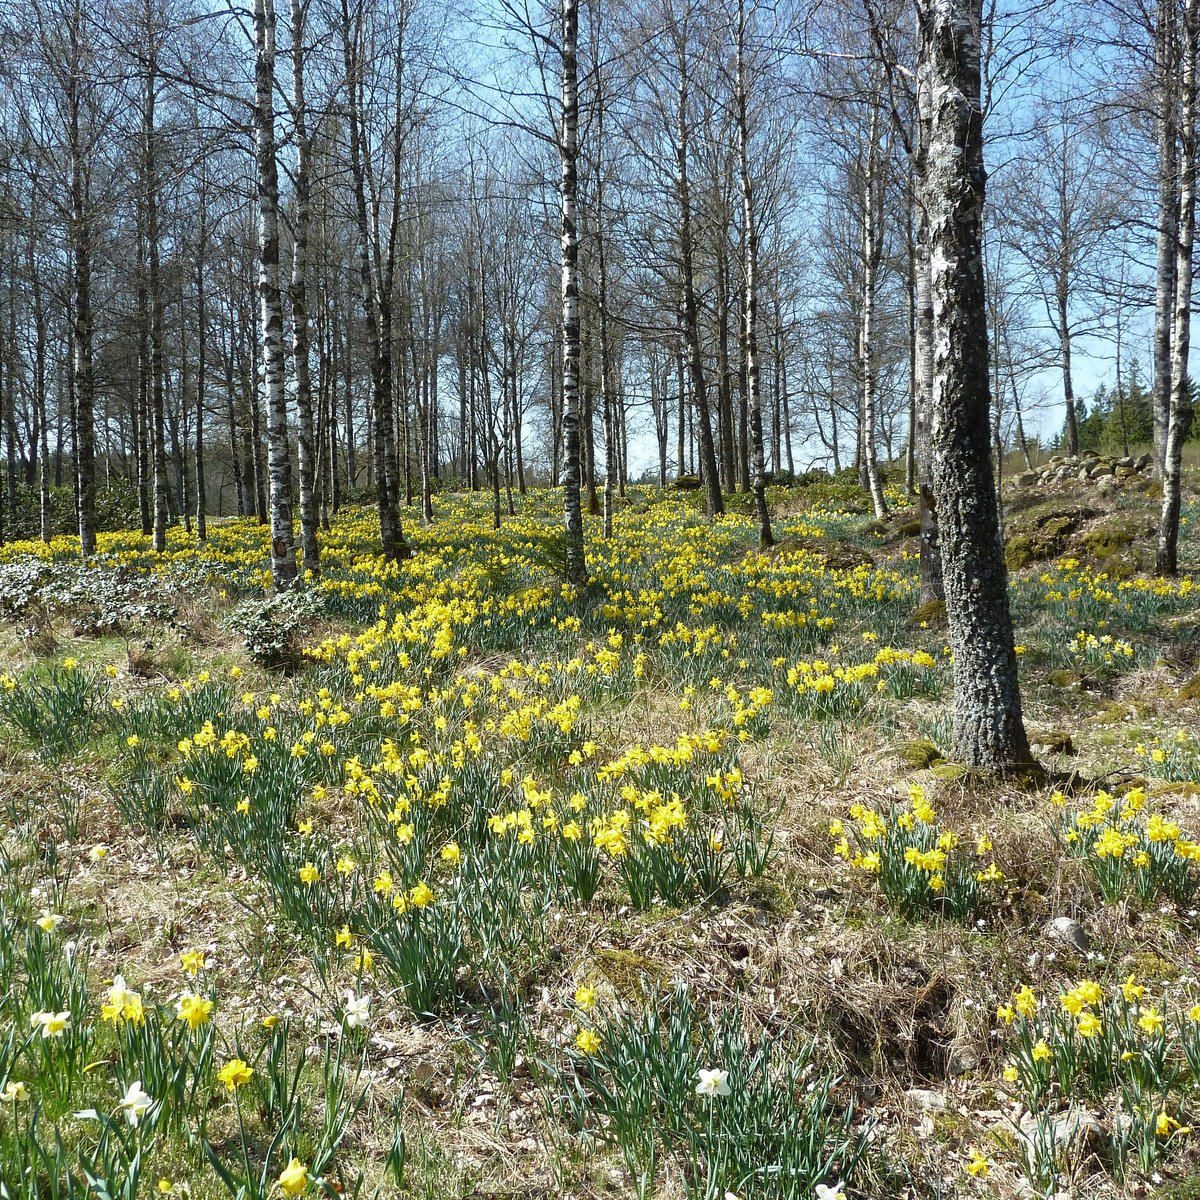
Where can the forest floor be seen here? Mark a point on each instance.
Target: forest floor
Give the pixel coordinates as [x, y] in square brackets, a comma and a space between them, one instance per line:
[440, 880]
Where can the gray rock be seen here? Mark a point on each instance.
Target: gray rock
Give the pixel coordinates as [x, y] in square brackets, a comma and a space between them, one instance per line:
[1069, 932]
[962, 1062]
[1026, 479]
[1074, 1129]
[926, 1099]
[1143, 461]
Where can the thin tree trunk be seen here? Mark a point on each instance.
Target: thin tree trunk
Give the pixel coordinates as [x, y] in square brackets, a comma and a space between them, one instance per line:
[201, 358]
[283, 553]
[1166, 100]
[377, 310]
[568, 146]
[758, 477]
[1180, 423]
[1064, 342]
[306, 456]
[83, 394]
[714, 504]
[39, 398]
[930, 564]
[141, 416]
[872, 254]
[154, 286]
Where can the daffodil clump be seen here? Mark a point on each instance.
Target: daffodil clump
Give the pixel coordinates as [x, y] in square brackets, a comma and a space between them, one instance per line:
[1083, 597]
[56, 707]
[98, 1081]
[668, 1082]
[1101, 654]
[479, 803]
[1132, 1053]
[919, 866]
[1175, 759]
[1128, 850]
[823, 689]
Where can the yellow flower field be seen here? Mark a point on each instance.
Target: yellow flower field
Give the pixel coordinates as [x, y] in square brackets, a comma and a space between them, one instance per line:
[441, 878]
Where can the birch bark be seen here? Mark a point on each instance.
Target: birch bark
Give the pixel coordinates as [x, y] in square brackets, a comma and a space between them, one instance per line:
[283, 552]
[1179, 423]
[568, 148]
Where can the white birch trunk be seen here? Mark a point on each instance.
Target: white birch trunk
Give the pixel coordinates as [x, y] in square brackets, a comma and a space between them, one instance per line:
[1166, 102]
[283, 553]
[306, 457]
[1180, 418]
[568, 148]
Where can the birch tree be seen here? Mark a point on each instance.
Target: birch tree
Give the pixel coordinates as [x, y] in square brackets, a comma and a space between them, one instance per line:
[1179, 421]
[1166, 65]
[568, 150]
[306, 457]
[283, 553]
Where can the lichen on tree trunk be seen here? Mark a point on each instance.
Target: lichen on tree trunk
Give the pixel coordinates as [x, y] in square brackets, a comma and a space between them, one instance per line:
[989, 730]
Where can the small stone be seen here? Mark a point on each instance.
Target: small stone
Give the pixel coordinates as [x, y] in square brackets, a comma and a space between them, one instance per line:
[926, 1099]
[1069, 932]
[962, 1062]
[1053, 741]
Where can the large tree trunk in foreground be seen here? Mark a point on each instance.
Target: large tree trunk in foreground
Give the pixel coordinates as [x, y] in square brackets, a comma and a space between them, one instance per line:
[283, 553]
[989, 732]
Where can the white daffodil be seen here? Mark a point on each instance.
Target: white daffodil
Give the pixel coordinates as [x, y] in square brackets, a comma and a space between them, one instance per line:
[714, 1082]
[52, 1024]
[358, 1010]
[119, 995]
[49, 921]
[830, 1191]
[136, 1103]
